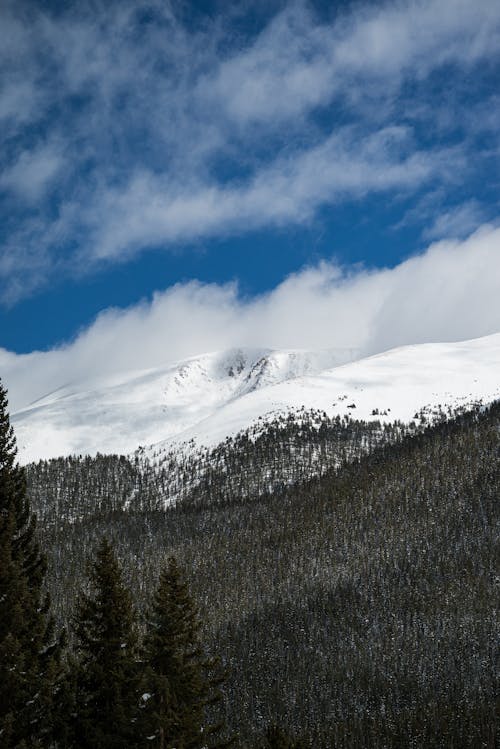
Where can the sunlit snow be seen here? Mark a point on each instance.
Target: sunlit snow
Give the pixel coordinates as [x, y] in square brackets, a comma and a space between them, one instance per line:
[210, 397]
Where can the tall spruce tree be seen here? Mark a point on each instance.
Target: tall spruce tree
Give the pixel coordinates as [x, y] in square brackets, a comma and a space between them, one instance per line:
[29, 654]
[182, 683]
[106, 678]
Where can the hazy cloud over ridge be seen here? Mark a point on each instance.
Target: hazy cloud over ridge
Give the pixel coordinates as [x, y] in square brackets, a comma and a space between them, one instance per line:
[450, 292]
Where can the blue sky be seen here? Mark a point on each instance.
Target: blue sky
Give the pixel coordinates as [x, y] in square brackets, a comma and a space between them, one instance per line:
[154, 149]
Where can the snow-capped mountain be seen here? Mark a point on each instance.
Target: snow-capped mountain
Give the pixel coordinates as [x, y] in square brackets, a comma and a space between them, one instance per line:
[209, 397]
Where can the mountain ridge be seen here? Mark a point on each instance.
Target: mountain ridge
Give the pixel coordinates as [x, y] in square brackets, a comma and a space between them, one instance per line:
[204, 399]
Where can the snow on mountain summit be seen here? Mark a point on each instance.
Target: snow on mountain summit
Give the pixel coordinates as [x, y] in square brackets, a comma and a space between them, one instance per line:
[120, 412]
[208, 397]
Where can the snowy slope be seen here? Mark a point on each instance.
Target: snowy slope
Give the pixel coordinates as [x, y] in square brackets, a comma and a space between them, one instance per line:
[119, 413]
[209, 397]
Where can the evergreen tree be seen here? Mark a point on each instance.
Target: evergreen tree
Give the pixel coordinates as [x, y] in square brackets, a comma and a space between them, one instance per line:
[107, 681]
[182, 683]
[29, 655]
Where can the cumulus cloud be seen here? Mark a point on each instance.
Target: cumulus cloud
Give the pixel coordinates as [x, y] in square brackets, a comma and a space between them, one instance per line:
[170, 132]
[449, 292]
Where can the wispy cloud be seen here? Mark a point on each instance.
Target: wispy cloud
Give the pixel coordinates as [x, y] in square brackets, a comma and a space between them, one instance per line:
[31, 173]
[126, 128]
[459, 221]
[297, 64]
[151, 210]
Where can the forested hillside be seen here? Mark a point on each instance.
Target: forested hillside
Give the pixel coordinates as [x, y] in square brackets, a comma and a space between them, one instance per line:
[268, 457]
[356, 608]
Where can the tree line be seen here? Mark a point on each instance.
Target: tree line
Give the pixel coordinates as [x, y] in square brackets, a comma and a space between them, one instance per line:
[268, 457]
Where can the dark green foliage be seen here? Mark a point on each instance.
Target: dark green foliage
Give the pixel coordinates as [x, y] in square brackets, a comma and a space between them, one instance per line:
[356, 609]
[106, 672]
[29, 656]
[181, 682]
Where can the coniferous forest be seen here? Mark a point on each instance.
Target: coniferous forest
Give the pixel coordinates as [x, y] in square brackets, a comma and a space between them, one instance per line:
[329, 584]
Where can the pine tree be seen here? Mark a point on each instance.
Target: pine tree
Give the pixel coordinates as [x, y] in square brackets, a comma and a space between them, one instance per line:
[29, 654]
[182, 683]
[107, 680]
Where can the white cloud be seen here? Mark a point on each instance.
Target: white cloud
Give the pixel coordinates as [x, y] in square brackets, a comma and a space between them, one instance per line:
[32, 171]
[17, 101]
[345, 165]
[450, 292]
[297, 64]
[145, 114]
[457, 222]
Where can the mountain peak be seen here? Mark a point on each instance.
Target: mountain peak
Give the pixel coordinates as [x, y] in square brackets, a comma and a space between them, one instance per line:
[209, 397]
